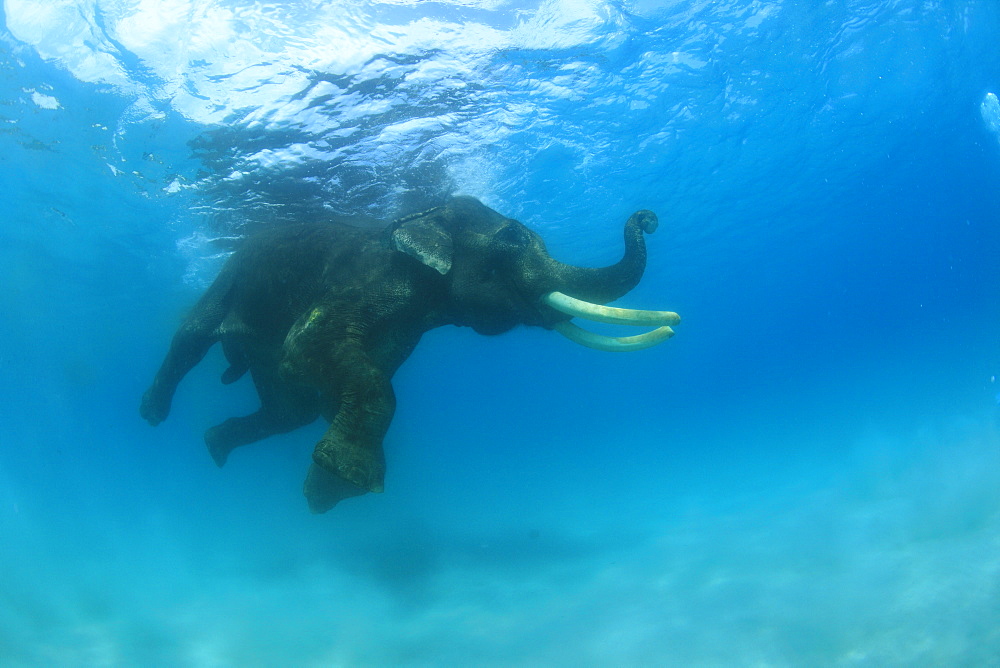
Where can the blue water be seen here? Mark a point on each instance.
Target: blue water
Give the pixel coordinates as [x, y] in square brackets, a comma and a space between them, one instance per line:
[807, 474]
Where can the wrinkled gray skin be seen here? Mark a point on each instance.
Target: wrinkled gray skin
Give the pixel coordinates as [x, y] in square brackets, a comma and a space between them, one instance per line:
[323, 314]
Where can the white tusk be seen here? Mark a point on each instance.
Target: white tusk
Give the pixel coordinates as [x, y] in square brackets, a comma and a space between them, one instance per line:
[613, 343]
[610, 314]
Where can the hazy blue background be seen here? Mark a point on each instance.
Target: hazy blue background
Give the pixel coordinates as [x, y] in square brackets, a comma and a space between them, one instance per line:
[807, 474]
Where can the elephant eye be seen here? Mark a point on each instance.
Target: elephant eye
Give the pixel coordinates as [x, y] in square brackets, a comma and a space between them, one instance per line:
[513, 235]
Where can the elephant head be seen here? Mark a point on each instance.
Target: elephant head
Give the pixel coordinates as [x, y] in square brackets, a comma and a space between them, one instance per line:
[499, 275]
[322, 315]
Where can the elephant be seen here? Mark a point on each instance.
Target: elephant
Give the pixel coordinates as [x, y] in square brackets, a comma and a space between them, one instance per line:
[322, 314]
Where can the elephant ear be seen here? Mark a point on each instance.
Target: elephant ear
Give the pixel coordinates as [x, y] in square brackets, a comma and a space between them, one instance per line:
[421, 237]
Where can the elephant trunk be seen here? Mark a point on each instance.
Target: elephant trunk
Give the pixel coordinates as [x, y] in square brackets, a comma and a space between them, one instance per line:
[586, 290]
[606, 284]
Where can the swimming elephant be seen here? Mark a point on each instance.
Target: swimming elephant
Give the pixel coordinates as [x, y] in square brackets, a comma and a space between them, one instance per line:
[322, 315]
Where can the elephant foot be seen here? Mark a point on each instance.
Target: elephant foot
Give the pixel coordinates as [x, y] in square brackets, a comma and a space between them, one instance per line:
[361, 465]
[155, 406]
[324, 490]
[219, 446]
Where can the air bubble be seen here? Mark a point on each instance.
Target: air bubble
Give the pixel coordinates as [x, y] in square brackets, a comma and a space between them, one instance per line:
[990, 111]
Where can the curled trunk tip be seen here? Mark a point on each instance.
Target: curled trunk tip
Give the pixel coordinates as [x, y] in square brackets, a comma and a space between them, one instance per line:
[606, 284]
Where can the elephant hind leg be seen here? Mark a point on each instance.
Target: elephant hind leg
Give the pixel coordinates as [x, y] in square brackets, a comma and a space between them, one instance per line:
[283, 408]
[188, 347]
[196, 335]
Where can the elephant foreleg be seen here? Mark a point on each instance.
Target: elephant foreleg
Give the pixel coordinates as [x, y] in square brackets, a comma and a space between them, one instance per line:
[324, 490]
[352, 447]
[284, 406]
